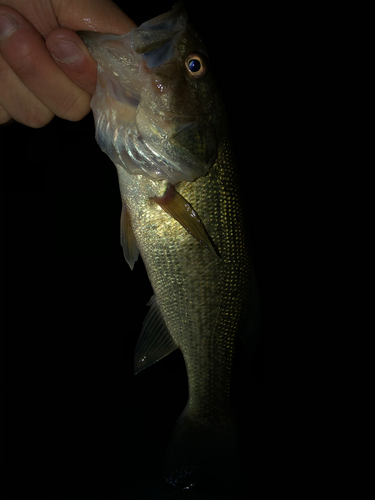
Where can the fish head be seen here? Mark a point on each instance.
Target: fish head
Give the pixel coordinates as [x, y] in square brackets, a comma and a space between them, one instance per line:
[156, 105]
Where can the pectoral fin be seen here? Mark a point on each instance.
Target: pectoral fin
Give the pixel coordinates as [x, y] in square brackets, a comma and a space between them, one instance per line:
[128, 241]
[181, 210]
[155, 341]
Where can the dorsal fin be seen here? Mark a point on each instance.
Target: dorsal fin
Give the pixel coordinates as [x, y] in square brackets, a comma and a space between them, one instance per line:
[181, 210]
[128, 241]
[155, 341]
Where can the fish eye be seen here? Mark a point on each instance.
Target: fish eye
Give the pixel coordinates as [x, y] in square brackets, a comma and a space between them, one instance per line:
[196, 65]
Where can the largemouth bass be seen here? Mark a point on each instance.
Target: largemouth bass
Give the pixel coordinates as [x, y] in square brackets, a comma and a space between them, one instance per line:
[160, 118]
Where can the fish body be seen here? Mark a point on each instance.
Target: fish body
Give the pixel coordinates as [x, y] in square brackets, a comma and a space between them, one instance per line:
[164, 127]
[202, 297]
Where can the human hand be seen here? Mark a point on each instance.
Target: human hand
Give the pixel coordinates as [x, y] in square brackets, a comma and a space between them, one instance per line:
[45, 68]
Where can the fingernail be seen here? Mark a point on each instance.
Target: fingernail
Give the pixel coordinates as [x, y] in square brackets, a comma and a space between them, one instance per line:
[7, 26]
[66, 52]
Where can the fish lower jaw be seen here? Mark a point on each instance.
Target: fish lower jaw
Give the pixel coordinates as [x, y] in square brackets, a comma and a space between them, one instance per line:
[156, 160]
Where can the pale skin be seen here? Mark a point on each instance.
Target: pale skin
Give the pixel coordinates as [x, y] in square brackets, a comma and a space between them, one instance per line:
[45, 68]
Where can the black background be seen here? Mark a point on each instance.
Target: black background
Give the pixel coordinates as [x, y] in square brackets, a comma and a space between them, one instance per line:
[72, 310]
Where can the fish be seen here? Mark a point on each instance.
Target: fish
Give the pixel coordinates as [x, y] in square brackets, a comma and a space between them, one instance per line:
[160, 117]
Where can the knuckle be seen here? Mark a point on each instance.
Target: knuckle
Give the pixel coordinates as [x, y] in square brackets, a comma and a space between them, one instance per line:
[23, 51]
[36, 117]
[4, 116]
[39, 121]
[26, 62]
[5, 72]
[75, 107]
[4, 68]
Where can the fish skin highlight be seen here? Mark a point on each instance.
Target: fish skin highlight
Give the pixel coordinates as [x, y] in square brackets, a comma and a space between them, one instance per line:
[164, 128]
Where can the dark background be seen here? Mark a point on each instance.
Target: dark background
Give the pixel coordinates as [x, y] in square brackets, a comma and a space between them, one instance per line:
[72, 310]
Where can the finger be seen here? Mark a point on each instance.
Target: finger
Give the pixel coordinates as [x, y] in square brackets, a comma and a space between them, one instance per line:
[25, 52]
[40, 13]
[93, 15]
[18, 102]
[72, 56]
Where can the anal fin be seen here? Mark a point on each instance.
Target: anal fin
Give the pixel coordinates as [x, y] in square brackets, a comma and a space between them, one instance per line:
[181, 210]
[128, 241]
[155, 341]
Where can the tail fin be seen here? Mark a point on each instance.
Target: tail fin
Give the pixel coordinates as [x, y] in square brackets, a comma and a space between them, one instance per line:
[201, 463]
